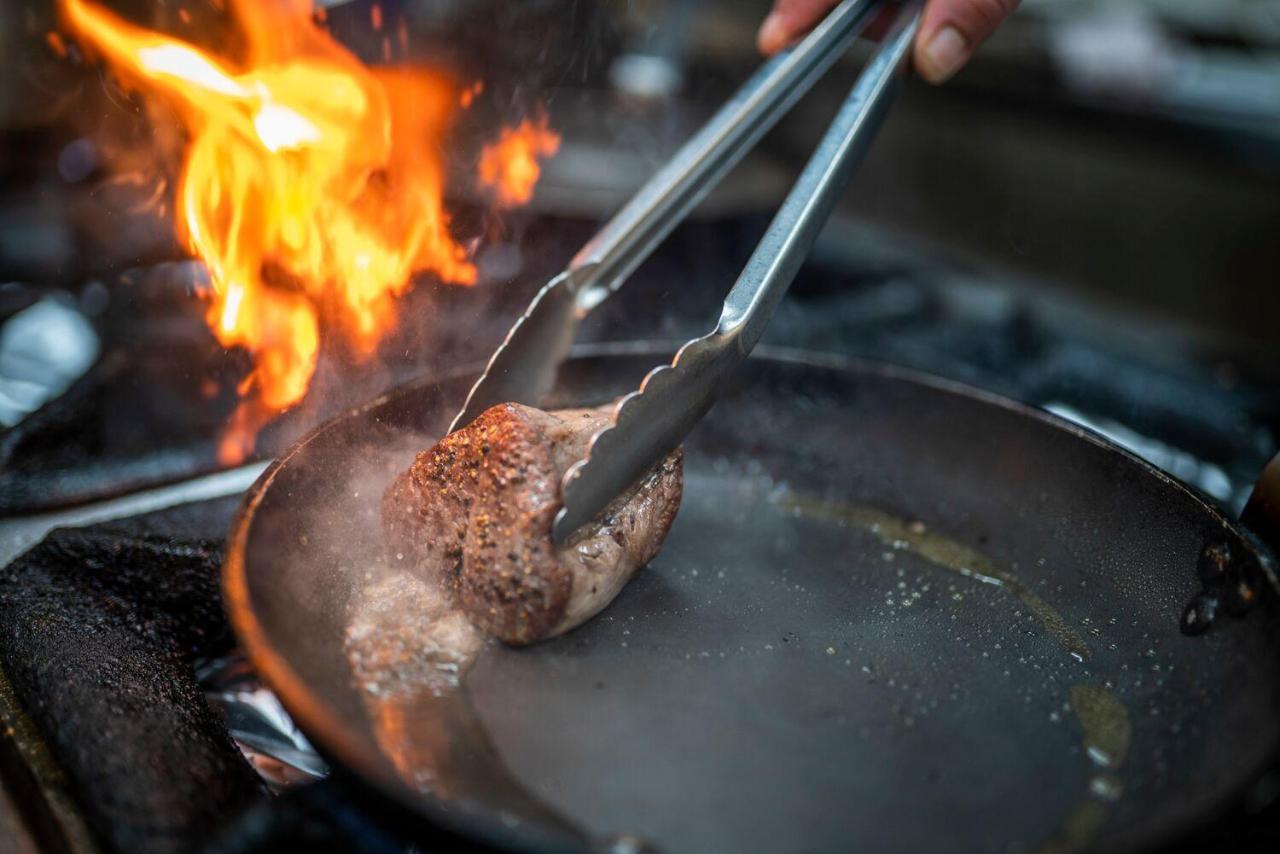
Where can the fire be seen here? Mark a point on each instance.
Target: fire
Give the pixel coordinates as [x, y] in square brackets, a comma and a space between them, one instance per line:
[509, 168]
[311, 186]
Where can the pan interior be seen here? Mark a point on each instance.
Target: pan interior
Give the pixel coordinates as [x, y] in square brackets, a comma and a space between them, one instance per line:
[889, 611]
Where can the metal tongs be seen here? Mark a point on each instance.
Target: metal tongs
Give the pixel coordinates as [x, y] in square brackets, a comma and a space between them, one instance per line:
[649, 423]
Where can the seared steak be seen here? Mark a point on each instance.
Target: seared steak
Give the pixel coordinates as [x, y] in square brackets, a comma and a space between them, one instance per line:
[475, 512]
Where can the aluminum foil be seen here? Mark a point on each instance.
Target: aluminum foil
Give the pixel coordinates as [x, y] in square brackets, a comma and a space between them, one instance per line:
[262, 729]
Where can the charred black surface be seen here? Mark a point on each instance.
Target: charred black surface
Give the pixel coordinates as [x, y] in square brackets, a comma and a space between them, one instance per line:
[144, 414]
[98, 628]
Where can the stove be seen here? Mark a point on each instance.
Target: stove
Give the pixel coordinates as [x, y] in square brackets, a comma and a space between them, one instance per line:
[132, 723]
[143, 729]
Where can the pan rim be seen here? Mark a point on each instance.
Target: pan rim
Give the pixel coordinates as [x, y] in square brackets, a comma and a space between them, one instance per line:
[332, 738]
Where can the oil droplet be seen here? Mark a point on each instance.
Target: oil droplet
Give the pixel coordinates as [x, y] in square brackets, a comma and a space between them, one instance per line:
[1106, 787]
[1107, 731]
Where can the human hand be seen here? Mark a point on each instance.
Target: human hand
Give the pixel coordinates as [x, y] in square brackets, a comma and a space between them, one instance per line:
[949, 33]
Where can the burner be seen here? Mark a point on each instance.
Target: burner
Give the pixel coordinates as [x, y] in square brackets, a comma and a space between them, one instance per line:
[105, 627]
[101, 627]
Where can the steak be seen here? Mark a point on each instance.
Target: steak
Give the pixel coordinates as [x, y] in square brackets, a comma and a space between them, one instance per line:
[474, 513]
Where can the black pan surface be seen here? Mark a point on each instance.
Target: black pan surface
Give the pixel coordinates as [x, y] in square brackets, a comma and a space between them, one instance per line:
[893, 614]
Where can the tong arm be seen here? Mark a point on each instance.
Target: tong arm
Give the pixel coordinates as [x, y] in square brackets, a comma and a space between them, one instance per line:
[700, 164]
[523, 367]
[649, 423]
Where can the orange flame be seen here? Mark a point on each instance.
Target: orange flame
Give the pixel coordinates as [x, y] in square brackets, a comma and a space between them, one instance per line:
[509, 168]
[311, 186]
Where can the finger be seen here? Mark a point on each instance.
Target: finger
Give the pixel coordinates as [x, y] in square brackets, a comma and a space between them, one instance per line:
[952, 30]
[789, 20]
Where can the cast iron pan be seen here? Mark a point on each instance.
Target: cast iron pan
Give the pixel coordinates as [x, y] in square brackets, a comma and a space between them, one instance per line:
[894, 613]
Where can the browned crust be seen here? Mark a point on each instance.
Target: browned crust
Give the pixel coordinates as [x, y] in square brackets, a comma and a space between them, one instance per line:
[512, 584]
[476, 511]
[489, 490]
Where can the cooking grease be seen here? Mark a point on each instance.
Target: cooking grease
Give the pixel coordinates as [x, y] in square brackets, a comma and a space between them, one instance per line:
[943, 552]
[1102, 716]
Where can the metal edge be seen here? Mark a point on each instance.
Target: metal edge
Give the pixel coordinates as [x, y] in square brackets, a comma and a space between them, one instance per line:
[37, 784]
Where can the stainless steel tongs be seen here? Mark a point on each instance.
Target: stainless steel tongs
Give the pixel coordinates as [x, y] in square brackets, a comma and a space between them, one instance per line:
[652, 421]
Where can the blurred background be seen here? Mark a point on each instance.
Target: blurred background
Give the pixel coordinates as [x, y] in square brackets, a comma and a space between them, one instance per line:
[1087, 218]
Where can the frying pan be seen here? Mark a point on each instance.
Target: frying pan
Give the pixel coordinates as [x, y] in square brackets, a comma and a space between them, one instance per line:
[894, 613]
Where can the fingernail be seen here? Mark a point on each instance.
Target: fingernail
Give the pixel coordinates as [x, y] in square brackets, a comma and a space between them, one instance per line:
[944, 54]
[772, 35]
